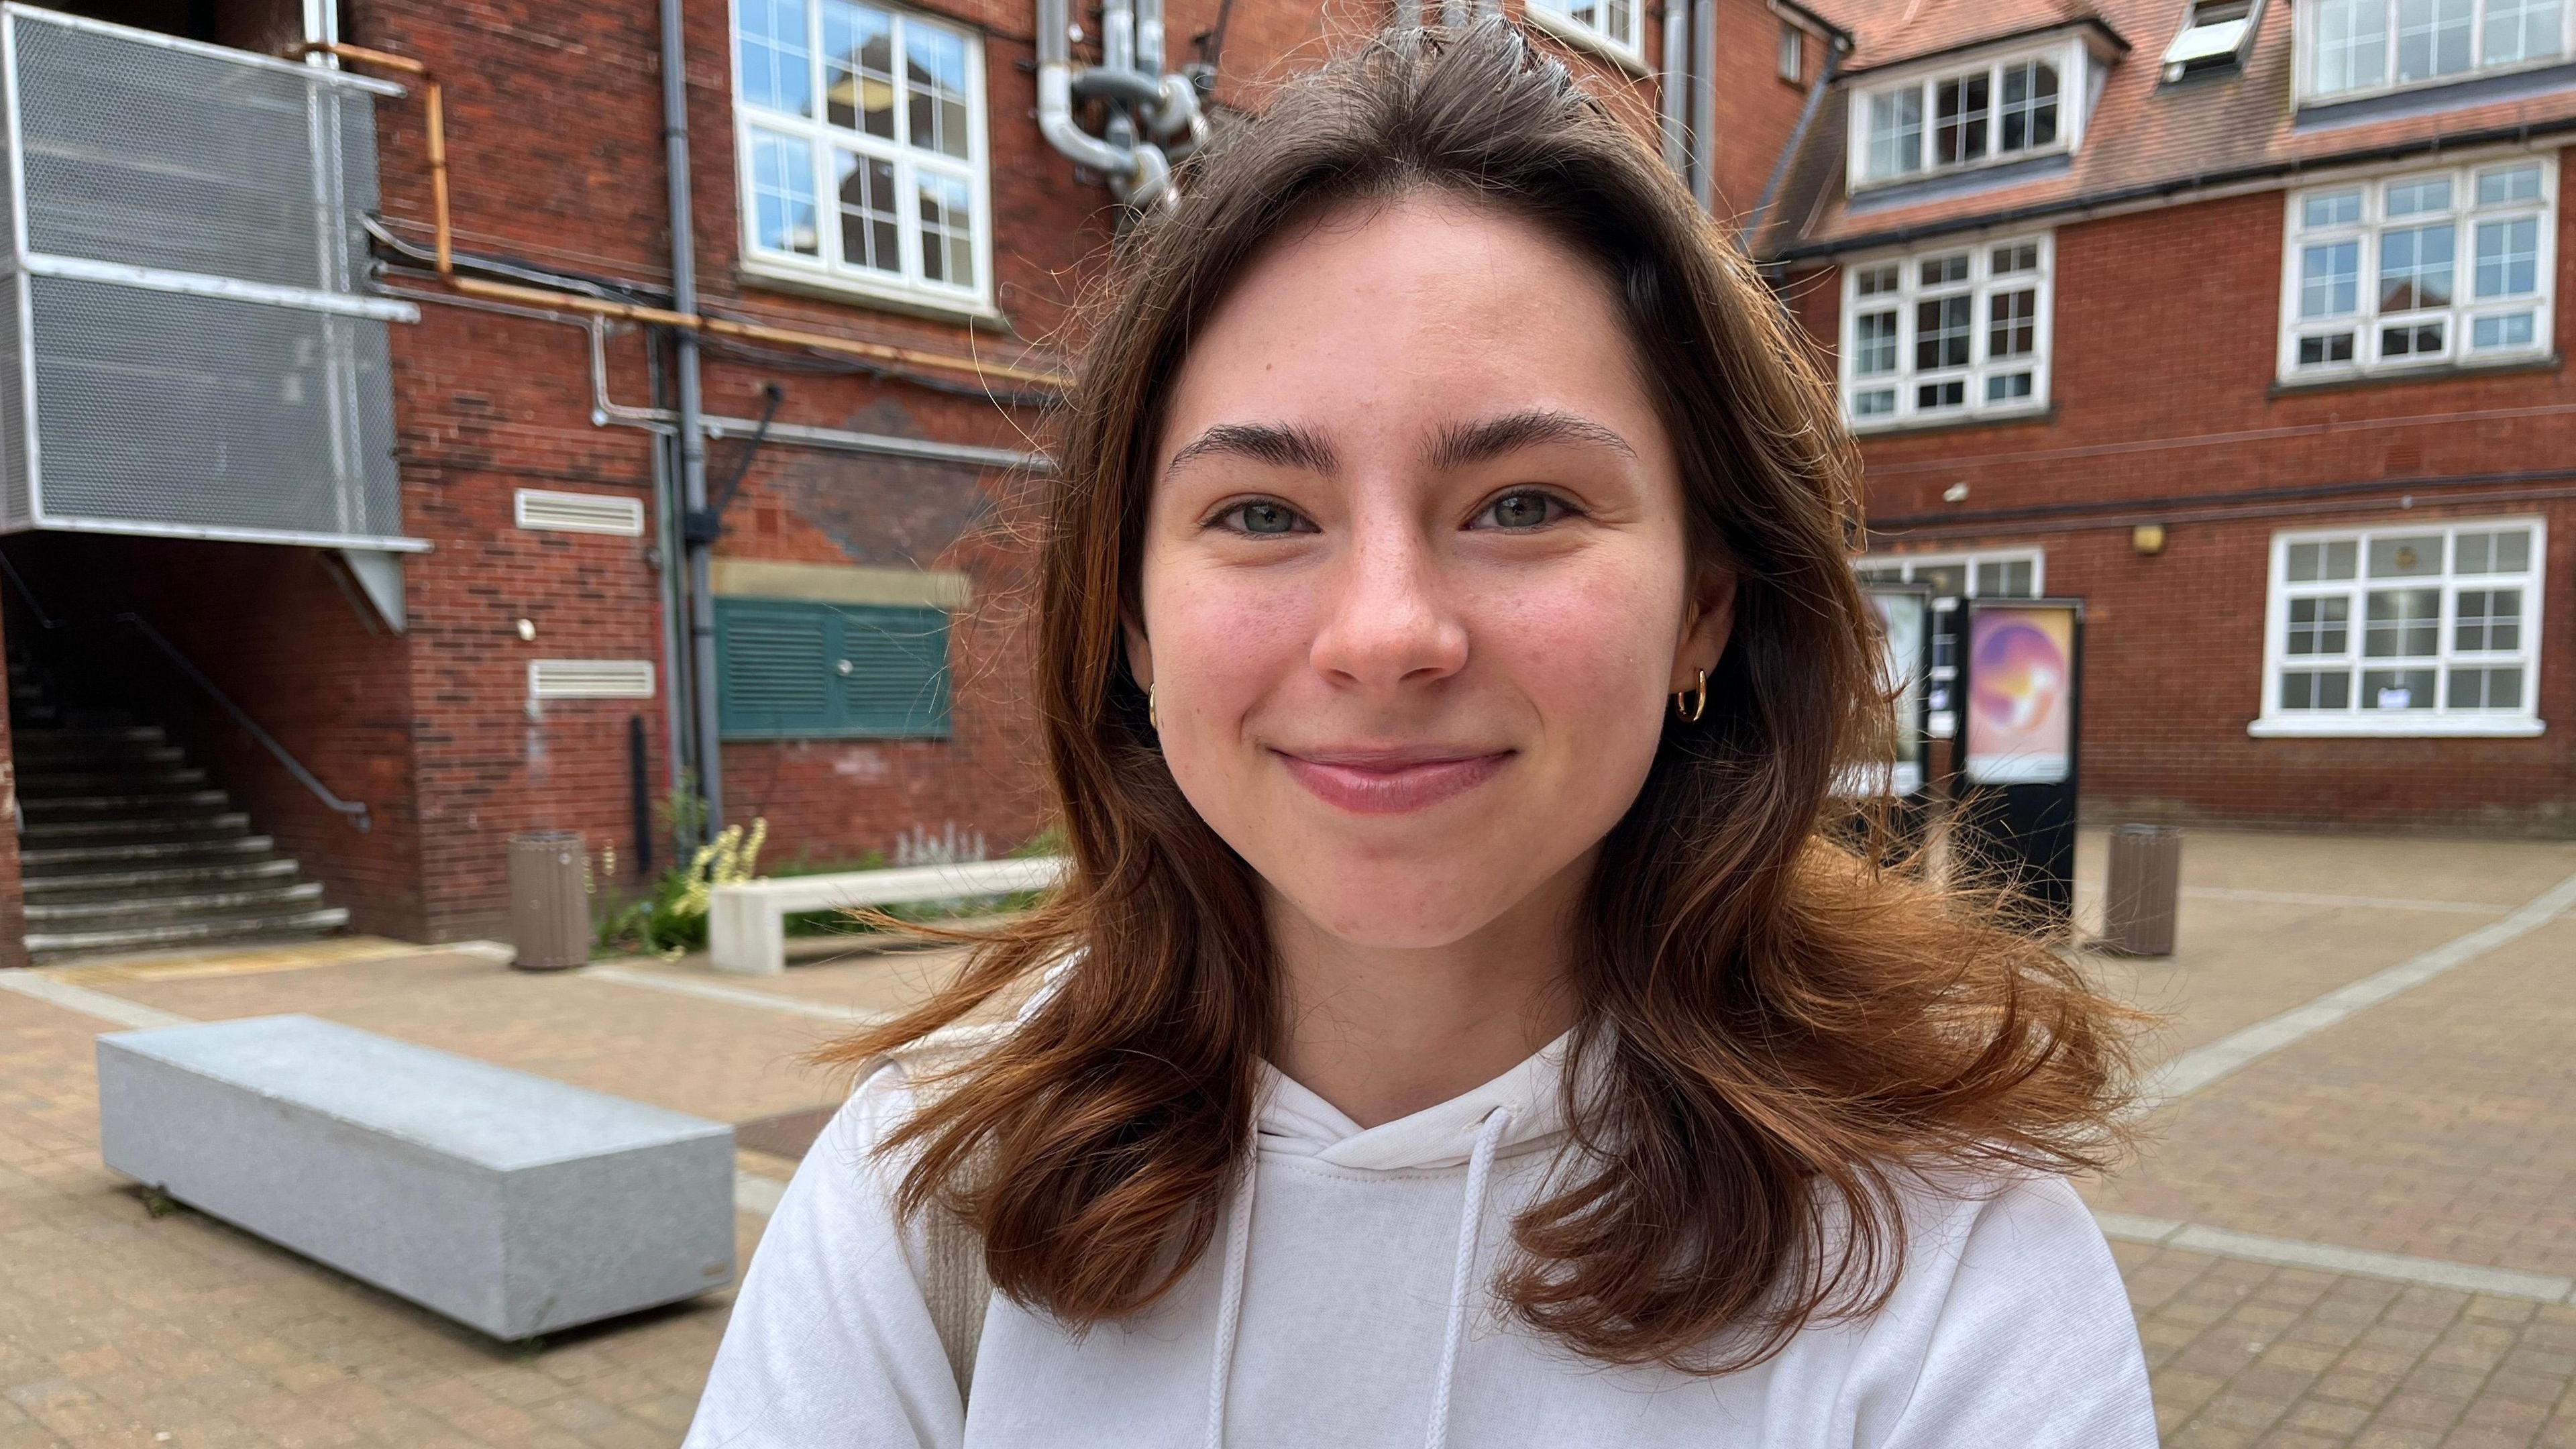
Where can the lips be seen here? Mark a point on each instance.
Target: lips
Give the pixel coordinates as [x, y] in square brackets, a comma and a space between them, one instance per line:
[1391, 782]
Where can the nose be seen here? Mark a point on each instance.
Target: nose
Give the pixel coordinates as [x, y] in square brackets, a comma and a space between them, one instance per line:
[1388, 622]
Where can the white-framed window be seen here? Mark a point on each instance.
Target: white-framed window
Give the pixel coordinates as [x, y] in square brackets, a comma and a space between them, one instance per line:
[2409, 629]
[2023, 103]
[1609, 25]
[1793, 52]
[1958, 331]
[2358, 47]
[2017, 573]
[2420, 268]
[860, 131]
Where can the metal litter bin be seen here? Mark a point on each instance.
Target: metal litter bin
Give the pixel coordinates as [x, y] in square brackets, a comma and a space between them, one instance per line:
[2144, 892]
[549, 902]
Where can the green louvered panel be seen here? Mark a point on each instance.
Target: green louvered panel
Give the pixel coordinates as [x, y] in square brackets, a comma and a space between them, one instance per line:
[897, 683]
[788, 669]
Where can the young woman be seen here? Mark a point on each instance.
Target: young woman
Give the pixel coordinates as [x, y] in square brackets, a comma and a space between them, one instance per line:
[1455, 1027]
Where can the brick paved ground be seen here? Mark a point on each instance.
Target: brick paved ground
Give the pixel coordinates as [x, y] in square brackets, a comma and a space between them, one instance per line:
[2438, 1125]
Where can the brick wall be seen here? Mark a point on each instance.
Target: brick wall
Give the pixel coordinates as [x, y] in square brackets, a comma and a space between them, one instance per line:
[1756, 111]
[2165, 411]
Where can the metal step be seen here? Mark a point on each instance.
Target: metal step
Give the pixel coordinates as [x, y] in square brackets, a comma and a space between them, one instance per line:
[74, 884]
[136, 910]
[145, 828]
[55, 787]
[182, 933]
[166, 850]
[199, 800]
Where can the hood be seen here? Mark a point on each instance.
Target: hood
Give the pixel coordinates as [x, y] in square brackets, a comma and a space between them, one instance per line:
[1293, 1121]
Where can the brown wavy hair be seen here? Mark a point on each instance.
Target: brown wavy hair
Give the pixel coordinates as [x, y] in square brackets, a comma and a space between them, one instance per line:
[1783, 1029]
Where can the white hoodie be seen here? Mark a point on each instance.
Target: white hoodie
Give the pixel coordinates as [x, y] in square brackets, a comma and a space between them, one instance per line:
[1345, 1303]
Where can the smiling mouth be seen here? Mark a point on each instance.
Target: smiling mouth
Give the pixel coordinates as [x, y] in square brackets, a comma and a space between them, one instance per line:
[1390, 782]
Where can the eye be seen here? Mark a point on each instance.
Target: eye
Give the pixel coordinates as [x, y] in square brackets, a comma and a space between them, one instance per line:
[1264, 516]
[1523, 510]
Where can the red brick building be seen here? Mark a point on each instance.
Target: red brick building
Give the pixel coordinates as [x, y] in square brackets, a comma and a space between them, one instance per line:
[330, 571]
[2236, 321]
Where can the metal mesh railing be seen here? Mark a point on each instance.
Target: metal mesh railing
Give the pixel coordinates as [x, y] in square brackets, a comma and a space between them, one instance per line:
[201, 355]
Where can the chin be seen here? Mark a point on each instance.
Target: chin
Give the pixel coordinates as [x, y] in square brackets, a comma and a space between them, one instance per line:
[1367, 905]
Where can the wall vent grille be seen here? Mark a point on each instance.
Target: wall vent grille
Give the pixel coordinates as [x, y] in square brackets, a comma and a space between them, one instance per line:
[590, 679]
[580, 512]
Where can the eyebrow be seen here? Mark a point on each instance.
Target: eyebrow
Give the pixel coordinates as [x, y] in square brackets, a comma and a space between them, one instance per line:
[1281, 445]
[1465, 444]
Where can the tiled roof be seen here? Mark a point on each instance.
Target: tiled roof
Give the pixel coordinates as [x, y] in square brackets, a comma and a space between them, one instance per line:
[1884, 32]
[2144, 137]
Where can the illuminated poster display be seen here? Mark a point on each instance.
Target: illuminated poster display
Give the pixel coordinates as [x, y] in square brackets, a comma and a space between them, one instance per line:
[2017, 723]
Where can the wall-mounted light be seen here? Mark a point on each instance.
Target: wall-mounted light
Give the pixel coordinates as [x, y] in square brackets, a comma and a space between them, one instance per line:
[527, 628]
[2148, 539]
[1955, 493]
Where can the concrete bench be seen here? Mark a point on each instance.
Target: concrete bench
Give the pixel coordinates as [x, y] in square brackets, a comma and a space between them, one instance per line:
[508, 1202]
[747, 923]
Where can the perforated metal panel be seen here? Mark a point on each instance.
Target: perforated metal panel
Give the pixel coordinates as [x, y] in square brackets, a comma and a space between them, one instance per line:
[204, 356]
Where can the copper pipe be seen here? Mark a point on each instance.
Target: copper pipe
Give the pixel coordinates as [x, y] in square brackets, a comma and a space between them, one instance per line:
[434, 111]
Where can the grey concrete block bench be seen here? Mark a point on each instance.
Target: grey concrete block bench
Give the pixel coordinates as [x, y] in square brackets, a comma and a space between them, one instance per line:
[506, 1201]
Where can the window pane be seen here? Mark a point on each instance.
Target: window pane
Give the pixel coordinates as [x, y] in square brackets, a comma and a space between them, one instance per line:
[2498, 688]
[2008, 387]
[1943, 271]
[1948, 581]
[2508, 257]
[1896, 132]
[2432, 38]
[2013, 323]
[1872, 281]
[776, 66]
[2323, 350]
[858, 69]
[1959, 122]
[2029, 113]
[2397, 689]
[1874, 343]
[868, 214]
[2337, 208]
[2472, 553]
[2020, 257]
[784, 218]
[947, 231]
[934, 83]
[2402, 624]
[2519, 183]
[2485, 619]
[1943, 330]
[2411, 557]
[2520, 30]
[2312, 689]
[1876, 403]
[2415, 268]
[2513, 331]
[2326, 560]
[2513, 552]
[2320, 626]
[2352, 45]
[1932, 396]
[2412, 339]
[2410, 198]
[2330, 279]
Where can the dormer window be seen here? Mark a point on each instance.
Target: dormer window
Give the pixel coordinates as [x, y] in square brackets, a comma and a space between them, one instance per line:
[1956, 116]
[2213, 38]
[2356, 47]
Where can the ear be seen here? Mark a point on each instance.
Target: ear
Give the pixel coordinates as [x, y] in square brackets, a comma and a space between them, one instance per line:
[1140, 652]
[1705, 628]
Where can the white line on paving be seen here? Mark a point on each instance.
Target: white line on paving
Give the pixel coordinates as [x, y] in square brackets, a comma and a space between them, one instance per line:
[2192, 1070]
[757, 1195]
[2310, 898]
[733, 995]
[89, 1003]
[2329, 1258]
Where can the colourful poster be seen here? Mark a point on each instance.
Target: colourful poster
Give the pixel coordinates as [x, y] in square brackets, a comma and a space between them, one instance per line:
[2021, 694]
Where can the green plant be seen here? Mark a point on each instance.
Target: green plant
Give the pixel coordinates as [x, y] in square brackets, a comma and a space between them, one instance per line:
[671, 919]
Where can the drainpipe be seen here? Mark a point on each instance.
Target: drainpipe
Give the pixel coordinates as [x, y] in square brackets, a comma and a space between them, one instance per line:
[1703, 55]
[700, 586]
[1139, 172]
[1673, 93]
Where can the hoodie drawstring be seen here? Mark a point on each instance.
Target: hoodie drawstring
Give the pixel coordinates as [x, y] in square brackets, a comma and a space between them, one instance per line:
[1229, 1307]
[1462, 1279]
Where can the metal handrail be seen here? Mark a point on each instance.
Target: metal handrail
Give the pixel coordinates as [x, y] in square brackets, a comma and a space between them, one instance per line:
[18, 581]
[355, 810]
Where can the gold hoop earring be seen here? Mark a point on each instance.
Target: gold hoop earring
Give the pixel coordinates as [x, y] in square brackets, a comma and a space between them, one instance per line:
[1691, 703]
[1153, 717]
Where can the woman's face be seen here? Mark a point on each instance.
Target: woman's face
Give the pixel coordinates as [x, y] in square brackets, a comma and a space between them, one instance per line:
[1415, 581]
